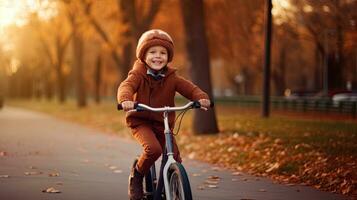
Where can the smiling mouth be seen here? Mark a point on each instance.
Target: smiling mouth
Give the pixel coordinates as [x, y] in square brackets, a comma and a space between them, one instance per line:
[157, 62]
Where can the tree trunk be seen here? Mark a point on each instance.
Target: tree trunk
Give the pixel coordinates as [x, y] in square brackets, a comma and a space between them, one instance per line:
[48, 89]
[97, 78]
[78, 69]
[317, 70]
[197, 48]
[340, 43]
[61, 83]
[279, 74]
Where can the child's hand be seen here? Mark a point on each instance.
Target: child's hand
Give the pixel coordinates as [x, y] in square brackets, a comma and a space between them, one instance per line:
[205, 103]
[127, 105]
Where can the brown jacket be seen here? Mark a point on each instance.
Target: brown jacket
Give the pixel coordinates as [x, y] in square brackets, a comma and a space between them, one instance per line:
[143, 88]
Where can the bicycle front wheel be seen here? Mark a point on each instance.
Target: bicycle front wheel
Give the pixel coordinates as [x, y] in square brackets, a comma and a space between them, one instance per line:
[179, 184]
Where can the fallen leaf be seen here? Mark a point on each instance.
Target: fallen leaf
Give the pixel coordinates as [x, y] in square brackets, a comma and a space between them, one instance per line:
[201, 187]
[273, 167]
[237, 174]
[214, 177]
[53, 174]
[51, 190]
[211, 181]
[194, 174]
[32, 173]
[262, 190]
[118, 171]
[113, 167]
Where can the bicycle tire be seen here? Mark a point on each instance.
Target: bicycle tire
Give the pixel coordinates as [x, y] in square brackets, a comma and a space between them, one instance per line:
[179, 184]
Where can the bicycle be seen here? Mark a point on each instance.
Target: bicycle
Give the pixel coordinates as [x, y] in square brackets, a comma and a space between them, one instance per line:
[173, 183]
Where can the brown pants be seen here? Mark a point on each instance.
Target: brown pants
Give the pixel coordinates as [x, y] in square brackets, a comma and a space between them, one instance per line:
[152, 139]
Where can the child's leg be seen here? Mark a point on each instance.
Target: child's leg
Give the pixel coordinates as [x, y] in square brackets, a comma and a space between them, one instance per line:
[151, 147]
[159, 130]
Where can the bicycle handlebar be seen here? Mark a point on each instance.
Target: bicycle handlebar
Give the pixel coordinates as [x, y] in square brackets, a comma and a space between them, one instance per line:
[143, 107]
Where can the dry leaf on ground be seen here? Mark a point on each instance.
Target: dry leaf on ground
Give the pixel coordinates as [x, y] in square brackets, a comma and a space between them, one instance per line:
[51, 190]
[118, 171]
[53, 174]
[32, 173]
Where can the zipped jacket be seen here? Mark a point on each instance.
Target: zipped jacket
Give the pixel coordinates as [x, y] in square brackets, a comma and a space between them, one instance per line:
[143, 88]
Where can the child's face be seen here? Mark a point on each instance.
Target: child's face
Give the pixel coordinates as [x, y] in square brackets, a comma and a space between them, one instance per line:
[156, 57]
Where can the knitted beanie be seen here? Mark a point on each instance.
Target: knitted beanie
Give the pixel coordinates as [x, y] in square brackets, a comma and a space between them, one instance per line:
[151, 38]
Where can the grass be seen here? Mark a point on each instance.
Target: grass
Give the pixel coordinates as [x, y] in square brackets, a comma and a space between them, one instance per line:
[288, 146]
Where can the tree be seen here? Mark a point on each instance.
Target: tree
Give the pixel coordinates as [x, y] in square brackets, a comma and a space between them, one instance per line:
[136, 17]
[328, 24]
[239, 46]
[78, 52]
[54, 44]
[197, 48]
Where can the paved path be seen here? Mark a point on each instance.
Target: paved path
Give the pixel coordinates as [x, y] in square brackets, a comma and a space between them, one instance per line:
[94, 165]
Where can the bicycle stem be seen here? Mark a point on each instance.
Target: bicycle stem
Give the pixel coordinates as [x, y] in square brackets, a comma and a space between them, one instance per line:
[167, 131]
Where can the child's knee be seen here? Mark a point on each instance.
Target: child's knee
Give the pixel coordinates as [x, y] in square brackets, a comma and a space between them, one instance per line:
[153, 152]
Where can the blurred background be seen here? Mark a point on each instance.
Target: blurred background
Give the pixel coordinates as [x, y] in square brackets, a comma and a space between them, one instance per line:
[67, 58]
[59, 49]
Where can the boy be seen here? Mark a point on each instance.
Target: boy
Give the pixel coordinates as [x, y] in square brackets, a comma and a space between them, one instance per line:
[153, 83]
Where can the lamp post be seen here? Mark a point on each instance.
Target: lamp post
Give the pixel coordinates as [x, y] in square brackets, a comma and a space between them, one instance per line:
[266, 78]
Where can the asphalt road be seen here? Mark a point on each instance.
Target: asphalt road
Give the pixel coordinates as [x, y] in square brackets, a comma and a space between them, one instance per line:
[38, 151]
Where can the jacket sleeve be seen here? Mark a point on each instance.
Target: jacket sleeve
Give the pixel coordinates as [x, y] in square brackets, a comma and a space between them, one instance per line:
[189, 90]
[128, 88]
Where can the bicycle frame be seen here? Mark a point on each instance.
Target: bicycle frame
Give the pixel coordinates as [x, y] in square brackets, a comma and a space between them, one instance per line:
[167, 158]
[168, 140]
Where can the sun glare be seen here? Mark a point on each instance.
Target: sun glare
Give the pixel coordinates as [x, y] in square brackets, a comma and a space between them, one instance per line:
[282, 10]
[14, 12]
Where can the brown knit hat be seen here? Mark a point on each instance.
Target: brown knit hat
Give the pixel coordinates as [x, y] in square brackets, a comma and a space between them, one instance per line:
[152, 38]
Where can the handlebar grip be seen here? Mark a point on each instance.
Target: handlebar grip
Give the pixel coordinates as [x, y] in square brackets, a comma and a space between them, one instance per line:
[120, 107]
[197, 104]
